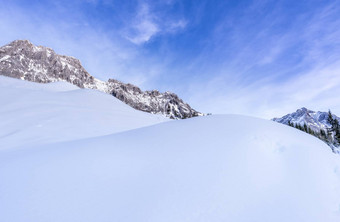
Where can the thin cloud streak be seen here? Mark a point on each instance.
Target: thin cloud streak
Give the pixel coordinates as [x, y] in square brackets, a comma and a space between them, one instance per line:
[143, 27]
[248, 84]
[318, 89]
[147, 24]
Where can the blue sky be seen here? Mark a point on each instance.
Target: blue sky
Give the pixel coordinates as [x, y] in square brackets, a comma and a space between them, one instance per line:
[262, 58]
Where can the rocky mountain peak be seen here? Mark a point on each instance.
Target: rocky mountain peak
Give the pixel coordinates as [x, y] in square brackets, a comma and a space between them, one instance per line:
[23, 60]
[315, 121]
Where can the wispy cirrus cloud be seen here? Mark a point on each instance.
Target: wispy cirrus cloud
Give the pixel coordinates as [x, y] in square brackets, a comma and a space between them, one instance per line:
[278, 69]
[147, 23]
[143, 27]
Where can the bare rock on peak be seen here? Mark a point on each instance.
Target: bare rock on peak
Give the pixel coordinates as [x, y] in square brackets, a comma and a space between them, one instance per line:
[23, 60]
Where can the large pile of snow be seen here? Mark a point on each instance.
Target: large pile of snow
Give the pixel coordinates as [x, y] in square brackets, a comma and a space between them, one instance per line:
[32, 113]
[215, 168]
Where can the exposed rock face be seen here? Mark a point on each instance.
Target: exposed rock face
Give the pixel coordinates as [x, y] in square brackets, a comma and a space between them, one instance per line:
[22, 60]
[151, 101]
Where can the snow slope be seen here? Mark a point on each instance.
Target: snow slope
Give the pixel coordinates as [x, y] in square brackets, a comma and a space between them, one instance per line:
[32, 113]
[214, 168]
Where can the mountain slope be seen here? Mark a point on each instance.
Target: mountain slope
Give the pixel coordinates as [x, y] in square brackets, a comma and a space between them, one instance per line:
[216, 168]
[32, 113]
[317, 122]
[22, 60]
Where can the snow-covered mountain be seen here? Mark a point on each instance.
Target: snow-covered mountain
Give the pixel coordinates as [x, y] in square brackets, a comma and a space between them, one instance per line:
[314, 123]
[22, 60]
[315, 120]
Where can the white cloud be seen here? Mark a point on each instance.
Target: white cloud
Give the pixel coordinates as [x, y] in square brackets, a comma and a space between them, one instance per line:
[143, 27]
[177, 25]
[144, 31]
[148, 24]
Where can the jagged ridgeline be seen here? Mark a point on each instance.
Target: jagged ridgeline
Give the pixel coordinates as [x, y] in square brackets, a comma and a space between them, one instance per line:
[323, 125]
[22, 60]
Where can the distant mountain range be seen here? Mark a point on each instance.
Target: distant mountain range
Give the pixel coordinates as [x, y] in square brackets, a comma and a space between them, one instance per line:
[315, 121]
[22, 60]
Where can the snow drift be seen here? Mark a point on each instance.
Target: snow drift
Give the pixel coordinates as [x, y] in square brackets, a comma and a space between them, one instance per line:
[32, 113]
[217, 168]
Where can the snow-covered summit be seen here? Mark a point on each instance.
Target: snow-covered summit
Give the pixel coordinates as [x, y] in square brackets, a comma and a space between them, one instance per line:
[315, 120]
[22, 60]
[314, 123]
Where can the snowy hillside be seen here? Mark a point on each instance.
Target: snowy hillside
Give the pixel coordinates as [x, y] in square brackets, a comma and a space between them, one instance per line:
[214, 168]
[32, 113]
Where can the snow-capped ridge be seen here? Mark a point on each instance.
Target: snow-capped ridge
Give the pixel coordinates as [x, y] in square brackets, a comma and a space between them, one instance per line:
[23, 60]
[315, 120]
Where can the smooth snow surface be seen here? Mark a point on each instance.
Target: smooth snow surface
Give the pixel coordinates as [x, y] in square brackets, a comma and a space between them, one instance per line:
[33, 113]
[215, 168]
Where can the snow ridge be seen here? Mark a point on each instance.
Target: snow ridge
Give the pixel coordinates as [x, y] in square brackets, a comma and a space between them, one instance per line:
[22, 60]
